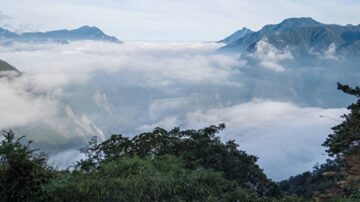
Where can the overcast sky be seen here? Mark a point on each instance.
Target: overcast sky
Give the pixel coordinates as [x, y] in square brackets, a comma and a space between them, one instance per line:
[169, 20]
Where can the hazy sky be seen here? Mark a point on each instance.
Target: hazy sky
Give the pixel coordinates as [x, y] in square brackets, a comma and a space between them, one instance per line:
[169, 20]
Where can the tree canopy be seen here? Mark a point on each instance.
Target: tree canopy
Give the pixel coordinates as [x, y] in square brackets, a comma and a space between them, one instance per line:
[22, 170]
[161, 165]
[195, 147]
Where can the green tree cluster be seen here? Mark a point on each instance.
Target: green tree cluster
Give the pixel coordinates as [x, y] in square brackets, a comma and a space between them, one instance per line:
[195, 147]
[310, 183]
[175, 165]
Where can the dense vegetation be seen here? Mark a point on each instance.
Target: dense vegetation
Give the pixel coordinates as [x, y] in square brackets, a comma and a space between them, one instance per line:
[175, 165]
[308, 184]
[338, 179]
[179, 165]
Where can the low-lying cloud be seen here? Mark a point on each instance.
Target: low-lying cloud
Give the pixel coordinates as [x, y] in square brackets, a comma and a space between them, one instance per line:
[19, 106]
[270, 57]
[89, 88]
[289, 135]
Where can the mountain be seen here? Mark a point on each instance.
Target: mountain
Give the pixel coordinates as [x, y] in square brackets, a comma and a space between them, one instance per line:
[60, 36]
[302, 36]
[291, 23]
[4, 66]
[236, 35]
[4, 33]
[301, 58]
[8, 71]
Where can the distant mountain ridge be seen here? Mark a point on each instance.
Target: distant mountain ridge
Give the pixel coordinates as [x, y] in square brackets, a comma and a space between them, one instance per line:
[59, 36]
[301, 35]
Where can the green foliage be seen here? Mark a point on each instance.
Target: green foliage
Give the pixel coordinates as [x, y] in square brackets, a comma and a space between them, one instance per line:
[195, 147]
[308, 184]
[22, 170]
[346, 137]
[345, 143]
[164, 178]
[176, 165]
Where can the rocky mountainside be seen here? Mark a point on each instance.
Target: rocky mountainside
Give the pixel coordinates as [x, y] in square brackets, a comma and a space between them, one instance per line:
[303, 36]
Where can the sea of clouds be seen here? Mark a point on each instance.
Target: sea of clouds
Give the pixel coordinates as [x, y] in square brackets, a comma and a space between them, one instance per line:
[70, 92]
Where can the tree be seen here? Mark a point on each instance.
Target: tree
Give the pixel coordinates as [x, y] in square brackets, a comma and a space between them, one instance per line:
[195, 147]
[310, 183]
[22, 170]
[345, 139]
[337, 179]
[344, 143]
[176, 165]
[163, 178]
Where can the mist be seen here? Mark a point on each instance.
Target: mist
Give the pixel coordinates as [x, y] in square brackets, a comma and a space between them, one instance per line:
[70, 92]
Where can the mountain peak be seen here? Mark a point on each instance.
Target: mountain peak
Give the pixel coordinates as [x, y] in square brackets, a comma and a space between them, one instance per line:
[245, 29]
[4, 66]
[236, 35]
[299, 22]
[291, 23]
[89, 28]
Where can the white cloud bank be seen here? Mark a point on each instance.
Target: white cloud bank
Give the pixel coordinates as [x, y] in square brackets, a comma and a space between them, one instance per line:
[286, 137]
[19, 107]
[270, 57]
[93, 88]
[47, 93]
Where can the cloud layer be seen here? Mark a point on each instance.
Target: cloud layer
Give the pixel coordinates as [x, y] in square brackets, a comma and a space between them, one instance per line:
[285, 137]
[270, 57]
[80, 89]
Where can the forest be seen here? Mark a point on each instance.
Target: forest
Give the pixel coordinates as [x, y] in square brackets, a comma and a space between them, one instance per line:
[179, 165]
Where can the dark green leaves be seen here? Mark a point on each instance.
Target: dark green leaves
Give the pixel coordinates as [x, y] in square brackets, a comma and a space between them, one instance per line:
[22, 170]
